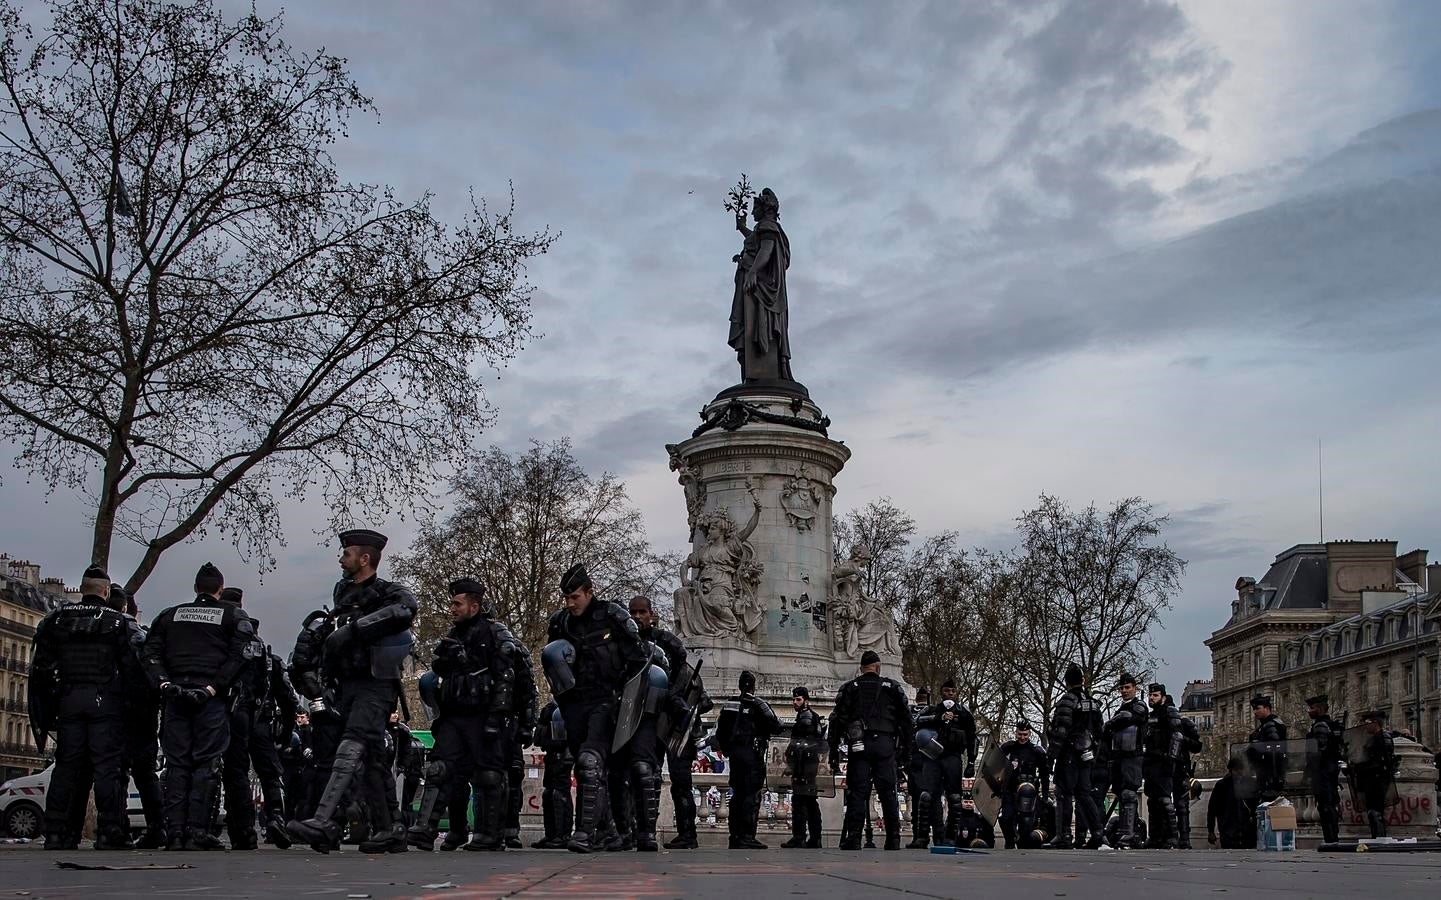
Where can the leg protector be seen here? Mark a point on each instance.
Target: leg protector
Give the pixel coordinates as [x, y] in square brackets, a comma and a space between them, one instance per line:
[921, 820]
[1126, 835]
[437, 778]
[490, 793]
[590, 788]
[321, 830]
[645, 795]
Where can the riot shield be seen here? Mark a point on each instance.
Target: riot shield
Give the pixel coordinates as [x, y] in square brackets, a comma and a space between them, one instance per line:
[995, 770]
[808, 762]
[1272, 768]
[631, 708]
[43, 698]
[987, 797]
[1358, 761]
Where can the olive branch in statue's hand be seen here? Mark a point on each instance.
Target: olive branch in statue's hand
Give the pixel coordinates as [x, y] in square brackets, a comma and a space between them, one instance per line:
[738, 201]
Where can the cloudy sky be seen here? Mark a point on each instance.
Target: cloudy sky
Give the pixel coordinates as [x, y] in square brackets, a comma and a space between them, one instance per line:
[1096, 249]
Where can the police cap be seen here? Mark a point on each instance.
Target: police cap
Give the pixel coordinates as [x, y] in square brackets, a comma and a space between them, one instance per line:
[208, 580]
[363, 537]
[870, 658]
[467, 586]
[575, 578]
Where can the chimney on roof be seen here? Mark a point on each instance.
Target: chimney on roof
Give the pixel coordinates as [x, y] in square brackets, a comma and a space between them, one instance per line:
[1413, 566]
[1433, 577]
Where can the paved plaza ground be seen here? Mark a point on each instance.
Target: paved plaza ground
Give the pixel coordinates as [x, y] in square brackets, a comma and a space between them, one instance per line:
[1152, 875]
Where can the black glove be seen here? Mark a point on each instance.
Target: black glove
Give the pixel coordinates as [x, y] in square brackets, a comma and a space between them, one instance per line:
[170, 691]
[192, 699]
[339, 639]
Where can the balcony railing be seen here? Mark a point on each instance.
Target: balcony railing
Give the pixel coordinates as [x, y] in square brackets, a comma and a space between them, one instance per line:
[13, 627]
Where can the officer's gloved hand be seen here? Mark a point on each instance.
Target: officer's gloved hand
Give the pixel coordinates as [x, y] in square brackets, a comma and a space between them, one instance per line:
[194, 698]
[170, 691]
[339, 639]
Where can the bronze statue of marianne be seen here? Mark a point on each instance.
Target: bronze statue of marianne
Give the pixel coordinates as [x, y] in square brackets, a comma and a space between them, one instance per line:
[760, 314]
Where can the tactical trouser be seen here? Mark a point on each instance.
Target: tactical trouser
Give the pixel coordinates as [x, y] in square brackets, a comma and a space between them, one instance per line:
[875, 765]
[920, 809]
[805, 815]
[515, 797]
[467, 747]
[1126, 780]
[589, 728]
[1159, 776]
[1327, 792]
[1181, 796]
[1074, 796]
[681, 792]
[747, 781]
[142, 749]
[194, 743]
[325, 731]
[942, 779]
[1374, 792]
[557, 808]
[89, 743]
[1008, 819]
[235, 778]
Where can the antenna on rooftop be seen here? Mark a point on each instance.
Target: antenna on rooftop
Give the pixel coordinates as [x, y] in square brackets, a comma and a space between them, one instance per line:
[1320, 493]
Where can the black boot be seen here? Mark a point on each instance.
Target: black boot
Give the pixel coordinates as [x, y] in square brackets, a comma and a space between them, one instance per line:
[245, 840]
[685, 813]
[113, 838]
[1126, 831]
[153, 838]
[490, 789]
[201, 839]
[392, 841]
[1064, 839]
[921, 822]
[320, 831]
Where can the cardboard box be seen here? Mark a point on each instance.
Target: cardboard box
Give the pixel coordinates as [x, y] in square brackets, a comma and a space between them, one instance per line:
[1276, 826]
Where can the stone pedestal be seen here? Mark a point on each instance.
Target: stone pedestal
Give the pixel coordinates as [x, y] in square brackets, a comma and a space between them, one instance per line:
[767, 447]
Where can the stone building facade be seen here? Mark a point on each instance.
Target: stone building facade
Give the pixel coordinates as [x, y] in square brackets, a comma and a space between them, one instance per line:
[1350, 619]
[25, 598]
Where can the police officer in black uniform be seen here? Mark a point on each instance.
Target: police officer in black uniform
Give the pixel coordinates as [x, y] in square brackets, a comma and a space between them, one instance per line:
[871, 716]
[142, 735]
[1375, 772]
[1031, 773]
[82, 663]
[412, 770]
[635, 771]
[1126, 733]
[676, 660]
[1266, 751]
[1164, 739]
[942, 774]
[1327, 747]
[594, 648]
[479, 663]
[1075, 736]
[557, 808]
[807, 737]
[251, 739]
[193, 655]
[320, 690]
[366, 640]
[920, 819]
[745, 745]
[294, 755]
[1184, 776]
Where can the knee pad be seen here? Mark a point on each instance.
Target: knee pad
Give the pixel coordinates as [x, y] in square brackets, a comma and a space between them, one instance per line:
[925, 799]
[641, 770]
[1129, 797]
[954, 800]
[349, 757]
[490, 778]
[588, 767]
[437, 770]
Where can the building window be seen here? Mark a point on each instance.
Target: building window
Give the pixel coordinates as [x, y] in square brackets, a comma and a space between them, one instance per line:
[1409, 673]
[1363, 689]
[1383, 685]
[1435, 670]
[1256, 664]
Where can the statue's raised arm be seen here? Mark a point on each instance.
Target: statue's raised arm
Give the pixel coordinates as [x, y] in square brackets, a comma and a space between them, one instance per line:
[755, 518]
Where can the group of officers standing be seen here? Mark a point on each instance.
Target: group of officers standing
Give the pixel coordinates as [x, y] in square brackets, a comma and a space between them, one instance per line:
[626, 704]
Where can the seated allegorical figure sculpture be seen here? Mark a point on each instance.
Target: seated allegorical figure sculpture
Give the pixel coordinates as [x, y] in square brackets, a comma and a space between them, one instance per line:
[720, 578]
[861, 623]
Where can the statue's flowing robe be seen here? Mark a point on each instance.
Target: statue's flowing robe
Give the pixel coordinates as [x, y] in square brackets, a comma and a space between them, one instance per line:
[760, 319]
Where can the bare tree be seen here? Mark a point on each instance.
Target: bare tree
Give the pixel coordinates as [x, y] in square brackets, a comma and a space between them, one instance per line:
[886, 531]
[1103, 579]
[198, 313]
[519, 522]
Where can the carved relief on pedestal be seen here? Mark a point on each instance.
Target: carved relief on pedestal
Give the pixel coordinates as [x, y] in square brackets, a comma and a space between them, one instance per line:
[720, 579]
[801, 499]
[859, 623]
[690, 482]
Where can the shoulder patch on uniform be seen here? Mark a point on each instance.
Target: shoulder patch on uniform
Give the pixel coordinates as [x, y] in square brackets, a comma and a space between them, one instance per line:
[202, 615]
